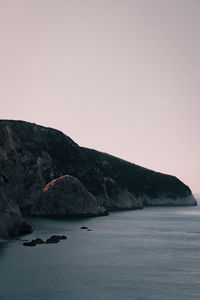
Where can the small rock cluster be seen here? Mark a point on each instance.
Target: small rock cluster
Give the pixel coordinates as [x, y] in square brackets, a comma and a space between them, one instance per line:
[52, 240]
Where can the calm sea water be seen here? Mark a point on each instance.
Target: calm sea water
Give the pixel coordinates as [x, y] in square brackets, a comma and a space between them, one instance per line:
[146, 254]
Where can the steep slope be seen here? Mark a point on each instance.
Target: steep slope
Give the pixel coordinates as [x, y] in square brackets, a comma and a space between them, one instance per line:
[11, 220]
[146, 186]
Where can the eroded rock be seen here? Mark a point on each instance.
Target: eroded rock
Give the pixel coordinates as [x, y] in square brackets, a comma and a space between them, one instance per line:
[67, 196]
[38, 241]
[55, 239]
[11, 220]
[30, 244]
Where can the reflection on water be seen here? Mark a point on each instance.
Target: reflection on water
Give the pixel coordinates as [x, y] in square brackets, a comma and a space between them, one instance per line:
[195, 212]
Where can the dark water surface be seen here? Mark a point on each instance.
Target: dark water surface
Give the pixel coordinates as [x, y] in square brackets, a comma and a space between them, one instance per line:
[146, 254]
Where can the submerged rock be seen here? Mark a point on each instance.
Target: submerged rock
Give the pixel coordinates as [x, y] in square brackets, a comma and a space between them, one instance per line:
[62, 237]
[30, 244]
[55, 239]
[52, 240]
[84, 227]
[67, 196]
[38, 241]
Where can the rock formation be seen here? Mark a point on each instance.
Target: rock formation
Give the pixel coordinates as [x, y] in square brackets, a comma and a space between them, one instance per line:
[31, 156]
[66, 196]
[54, 239]
[11, 220]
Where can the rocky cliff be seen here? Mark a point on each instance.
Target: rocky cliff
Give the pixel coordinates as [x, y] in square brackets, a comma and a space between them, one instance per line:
[11, 220]
[67, 196]
[31, 156]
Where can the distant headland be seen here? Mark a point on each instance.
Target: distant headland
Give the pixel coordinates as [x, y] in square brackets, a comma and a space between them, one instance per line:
[45, 173]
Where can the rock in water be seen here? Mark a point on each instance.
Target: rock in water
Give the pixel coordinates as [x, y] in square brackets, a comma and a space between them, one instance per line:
[38, 241]
[67, 196]
[30, 244]
[52, 240]
[56, 238]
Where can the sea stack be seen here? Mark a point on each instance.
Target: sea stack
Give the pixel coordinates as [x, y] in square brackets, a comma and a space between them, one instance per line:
[67, 196]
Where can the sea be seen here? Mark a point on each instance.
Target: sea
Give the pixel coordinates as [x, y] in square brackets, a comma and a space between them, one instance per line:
[146, 254]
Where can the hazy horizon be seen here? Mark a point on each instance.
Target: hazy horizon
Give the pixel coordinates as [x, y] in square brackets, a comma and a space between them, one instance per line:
[121, 77]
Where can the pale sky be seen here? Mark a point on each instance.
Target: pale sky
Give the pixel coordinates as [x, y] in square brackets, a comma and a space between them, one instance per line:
[120, 76]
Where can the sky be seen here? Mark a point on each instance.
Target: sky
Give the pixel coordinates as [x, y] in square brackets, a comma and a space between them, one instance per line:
[119, 76]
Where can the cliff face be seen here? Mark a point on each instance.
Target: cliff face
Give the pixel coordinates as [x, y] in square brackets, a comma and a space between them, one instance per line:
[11, 220]
[31, 156]
[126, 185]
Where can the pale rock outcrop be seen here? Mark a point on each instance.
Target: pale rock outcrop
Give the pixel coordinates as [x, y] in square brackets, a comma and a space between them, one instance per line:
[168, 201]
[115, 197]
